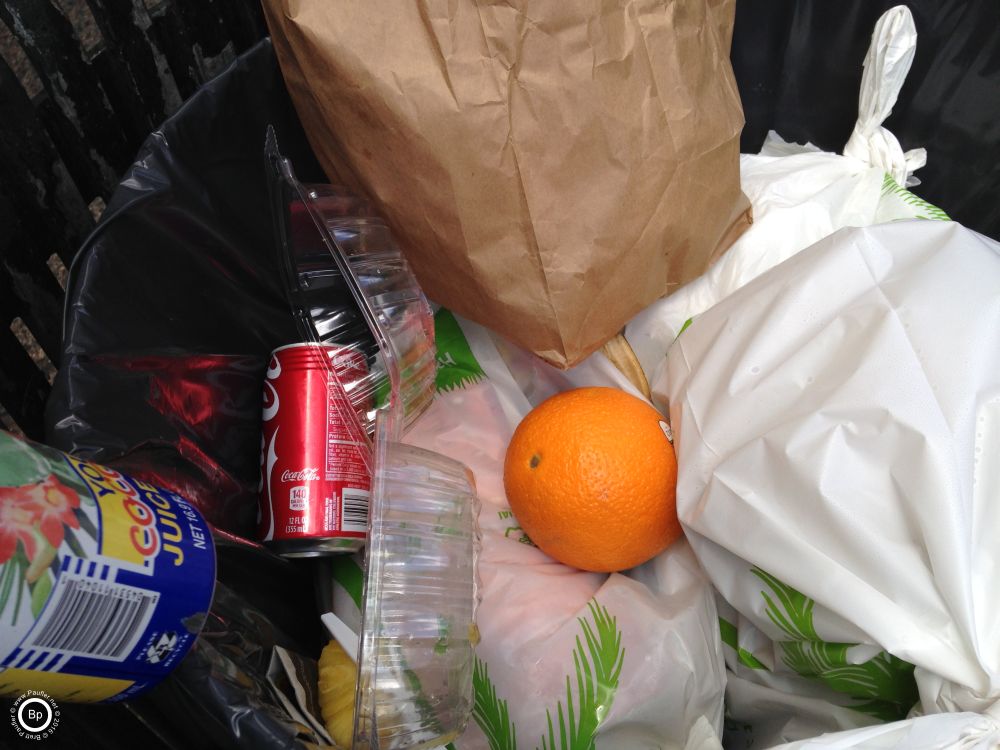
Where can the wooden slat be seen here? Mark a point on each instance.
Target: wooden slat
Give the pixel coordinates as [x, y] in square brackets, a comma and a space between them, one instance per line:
[23, 388]
[199, 38]
[64, 146]
[127, 67]
[45, 198]
[30, 290]
[90, 179]
[49, 42]
[172, 39]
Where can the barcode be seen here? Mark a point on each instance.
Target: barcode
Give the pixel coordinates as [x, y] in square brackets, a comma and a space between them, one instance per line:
[100, 619]
[354, 510]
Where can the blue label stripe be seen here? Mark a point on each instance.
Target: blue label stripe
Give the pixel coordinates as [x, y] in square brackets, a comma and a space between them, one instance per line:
[102, 629]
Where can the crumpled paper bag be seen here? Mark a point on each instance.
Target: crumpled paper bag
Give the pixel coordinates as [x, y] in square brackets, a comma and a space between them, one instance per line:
[550, 168]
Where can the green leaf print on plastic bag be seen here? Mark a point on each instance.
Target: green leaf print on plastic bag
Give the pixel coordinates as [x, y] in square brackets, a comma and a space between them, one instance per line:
[883, 686]
[893, 191]
[597, 673]
[490, 712]
[598, 666]
[730, 637]
[457, 367]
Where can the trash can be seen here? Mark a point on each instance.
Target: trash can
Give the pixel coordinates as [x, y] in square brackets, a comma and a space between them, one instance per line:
[174, 302]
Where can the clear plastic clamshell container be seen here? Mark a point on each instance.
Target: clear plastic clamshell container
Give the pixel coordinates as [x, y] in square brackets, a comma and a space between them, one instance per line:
[332, 243]
[415, 653]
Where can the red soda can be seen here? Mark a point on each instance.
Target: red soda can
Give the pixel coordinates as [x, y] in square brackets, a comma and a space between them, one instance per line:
[314, 477]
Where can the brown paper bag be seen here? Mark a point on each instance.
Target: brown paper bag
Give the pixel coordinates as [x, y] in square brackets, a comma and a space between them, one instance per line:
[549, 167]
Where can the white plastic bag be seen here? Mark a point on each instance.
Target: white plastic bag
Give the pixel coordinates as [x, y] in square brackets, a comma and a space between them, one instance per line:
[837, 421]
[963, 731]
[630, 661]
[886, 65]
[800, 195]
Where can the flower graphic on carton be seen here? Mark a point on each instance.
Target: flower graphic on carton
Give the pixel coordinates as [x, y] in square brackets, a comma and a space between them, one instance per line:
[17, 524]
[53, 504]
[43, 505]
[32, 513]
[35, 519]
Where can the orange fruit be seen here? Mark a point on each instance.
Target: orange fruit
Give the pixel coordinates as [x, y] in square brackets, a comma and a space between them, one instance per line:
[592, 478]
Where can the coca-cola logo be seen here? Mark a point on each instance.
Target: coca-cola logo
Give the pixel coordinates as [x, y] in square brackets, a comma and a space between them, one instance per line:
[307, 474]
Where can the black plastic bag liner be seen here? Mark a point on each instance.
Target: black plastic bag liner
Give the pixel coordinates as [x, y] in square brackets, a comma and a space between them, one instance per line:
[173, 306]
[175, 302]
[216, 697]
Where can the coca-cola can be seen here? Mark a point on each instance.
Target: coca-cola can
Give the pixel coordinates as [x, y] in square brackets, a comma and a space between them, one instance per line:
[315, 482]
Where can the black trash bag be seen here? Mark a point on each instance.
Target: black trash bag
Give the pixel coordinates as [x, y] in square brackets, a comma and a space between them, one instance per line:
[175, 302]
[217, 696]
[798, 65]
[220, 688]
[173, 306]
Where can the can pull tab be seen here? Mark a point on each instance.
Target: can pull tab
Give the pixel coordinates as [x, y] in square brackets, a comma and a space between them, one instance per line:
[342, 634]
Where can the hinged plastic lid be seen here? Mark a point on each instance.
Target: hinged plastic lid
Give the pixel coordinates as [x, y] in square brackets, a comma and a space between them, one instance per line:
[415, 656]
